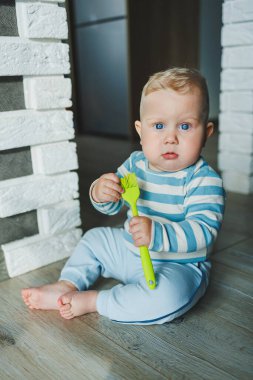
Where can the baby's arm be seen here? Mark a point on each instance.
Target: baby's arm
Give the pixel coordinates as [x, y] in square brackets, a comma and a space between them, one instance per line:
[203, 207]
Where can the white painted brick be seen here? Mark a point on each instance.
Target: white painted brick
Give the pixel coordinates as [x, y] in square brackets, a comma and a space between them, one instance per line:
[47, 92]
[226, 12]
[41, 20]
[237, 11]
[232, 122]
[241, 57]
[237, 182]
[60, 217]
[237, 34]
[237, 101]
[24, 128]
[236, 143]
[235, 158]
[20, 56]
[54, 158]
[31, 192]
[239, 162]
[34, 252]
[237, 79]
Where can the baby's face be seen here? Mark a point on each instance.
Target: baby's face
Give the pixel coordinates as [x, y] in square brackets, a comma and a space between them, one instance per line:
[171, 131]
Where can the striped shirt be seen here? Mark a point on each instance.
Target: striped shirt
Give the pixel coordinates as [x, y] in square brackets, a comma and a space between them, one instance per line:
[186, 208]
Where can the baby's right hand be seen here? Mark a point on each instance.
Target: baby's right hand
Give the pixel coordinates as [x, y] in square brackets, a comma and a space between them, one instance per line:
[107, 189]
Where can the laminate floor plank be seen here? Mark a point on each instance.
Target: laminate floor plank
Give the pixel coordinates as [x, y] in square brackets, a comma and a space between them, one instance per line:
[232, 306]
[232, 278]
[161, 354]
[211, 339]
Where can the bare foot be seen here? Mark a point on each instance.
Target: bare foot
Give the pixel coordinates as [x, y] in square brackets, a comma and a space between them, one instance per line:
[45, 297]
[75, 303]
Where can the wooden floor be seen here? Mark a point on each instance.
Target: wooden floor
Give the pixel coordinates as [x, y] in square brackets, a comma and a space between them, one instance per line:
[212, 341]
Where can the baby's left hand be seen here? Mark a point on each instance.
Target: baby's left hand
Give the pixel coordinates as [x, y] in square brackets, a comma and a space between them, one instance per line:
[140, 228]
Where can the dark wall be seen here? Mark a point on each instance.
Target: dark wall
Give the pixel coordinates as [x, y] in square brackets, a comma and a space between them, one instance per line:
[8, 20]
[162, 34]
[210, 50]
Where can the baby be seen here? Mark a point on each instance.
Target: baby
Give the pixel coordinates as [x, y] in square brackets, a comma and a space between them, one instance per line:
[180, 207]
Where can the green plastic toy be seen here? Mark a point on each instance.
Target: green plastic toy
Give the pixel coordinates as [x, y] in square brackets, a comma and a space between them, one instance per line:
[131, 194]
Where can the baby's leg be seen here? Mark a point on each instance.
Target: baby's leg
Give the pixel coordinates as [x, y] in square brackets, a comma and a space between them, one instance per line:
[45, 297]
[99, 253]
[179, 288]
[81, 266]
[96, 254]
[105, 250]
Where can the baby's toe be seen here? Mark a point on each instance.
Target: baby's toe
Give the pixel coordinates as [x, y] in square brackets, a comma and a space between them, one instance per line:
[67, 314]
[65, 308]
[65, 299]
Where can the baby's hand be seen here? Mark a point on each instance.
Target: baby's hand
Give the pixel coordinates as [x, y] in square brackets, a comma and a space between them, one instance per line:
[140, 228]
[107, 189]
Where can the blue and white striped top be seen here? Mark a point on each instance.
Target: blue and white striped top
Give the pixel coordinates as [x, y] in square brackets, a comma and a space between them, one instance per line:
[186, 208]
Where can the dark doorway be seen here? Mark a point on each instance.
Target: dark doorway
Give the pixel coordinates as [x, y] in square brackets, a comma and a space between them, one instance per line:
[117, 45]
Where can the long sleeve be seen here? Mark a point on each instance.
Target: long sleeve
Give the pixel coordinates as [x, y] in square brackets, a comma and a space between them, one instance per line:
[203, 209]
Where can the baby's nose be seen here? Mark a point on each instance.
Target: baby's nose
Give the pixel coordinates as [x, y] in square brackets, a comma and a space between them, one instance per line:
[171, 137]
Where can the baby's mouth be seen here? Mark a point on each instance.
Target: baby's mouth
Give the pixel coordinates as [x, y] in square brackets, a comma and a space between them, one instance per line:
[170, 155]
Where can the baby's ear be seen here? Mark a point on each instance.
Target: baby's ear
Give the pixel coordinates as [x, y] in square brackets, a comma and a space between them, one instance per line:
[209, 129]
[137, 125]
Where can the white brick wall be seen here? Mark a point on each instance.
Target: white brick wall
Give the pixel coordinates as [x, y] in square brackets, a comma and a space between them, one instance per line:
[236, 100]
[237, 11]
[58, 217]
[236, 79]
[39, 55]
[47, 92]
[54, 158]
[240, 162]
[237, 57]
[31, 253]
[31, 192]
[237, 34]
[24, 128]
[19, 56]
[236, 143]
[236, 122]
[41, 20]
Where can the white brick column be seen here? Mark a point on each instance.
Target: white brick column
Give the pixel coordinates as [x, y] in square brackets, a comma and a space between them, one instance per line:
[42, 59]
[235, 156]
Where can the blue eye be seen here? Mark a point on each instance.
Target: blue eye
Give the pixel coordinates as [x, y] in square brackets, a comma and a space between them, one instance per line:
[184, 127]
[159, 126]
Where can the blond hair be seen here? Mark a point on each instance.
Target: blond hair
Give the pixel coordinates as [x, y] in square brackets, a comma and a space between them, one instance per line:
[182, 80]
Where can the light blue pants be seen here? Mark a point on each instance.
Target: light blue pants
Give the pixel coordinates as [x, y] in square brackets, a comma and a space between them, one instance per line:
[102, 252]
